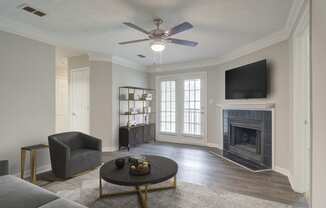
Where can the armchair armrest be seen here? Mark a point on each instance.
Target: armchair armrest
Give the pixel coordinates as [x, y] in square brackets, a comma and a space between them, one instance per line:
[60, 156]
[59, 147]
[92, 142]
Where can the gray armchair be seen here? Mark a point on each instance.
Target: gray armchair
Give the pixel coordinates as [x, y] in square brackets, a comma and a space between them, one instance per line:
[74, 152]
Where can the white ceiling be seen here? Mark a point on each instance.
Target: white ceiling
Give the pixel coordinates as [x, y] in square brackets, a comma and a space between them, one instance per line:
[220, 26]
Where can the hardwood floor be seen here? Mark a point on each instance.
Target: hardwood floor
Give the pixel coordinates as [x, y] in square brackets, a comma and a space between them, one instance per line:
[197, 165]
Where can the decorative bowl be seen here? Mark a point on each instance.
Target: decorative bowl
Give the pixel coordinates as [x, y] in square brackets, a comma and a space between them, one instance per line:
[120, 163]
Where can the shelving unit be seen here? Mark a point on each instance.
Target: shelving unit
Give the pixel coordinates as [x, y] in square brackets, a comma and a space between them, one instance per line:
[136, 119]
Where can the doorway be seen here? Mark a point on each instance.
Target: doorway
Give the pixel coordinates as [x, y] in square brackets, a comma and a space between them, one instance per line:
[79, 100]
[181, 103]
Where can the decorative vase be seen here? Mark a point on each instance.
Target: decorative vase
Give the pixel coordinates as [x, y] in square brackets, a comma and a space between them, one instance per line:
[120, 163]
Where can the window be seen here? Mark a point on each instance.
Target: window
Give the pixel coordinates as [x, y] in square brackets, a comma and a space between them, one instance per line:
[167, 107]
[192, 107]
[181, 107]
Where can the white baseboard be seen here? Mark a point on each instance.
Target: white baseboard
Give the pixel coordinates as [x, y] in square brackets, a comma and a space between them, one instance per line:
[199, 142]
[215, 145]
[110, 149]
[286, 173]
[282, 171]
[291, 182]
[39, 170]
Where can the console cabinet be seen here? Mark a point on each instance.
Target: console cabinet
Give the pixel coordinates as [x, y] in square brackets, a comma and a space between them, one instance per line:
[136, 135]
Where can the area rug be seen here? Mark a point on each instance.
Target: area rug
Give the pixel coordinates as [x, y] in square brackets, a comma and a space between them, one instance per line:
[85, 189]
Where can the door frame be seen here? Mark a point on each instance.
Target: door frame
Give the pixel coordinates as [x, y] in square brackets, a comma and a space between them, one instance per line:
[301, 175]
[66, 113]
[178, 137]
[70, 95]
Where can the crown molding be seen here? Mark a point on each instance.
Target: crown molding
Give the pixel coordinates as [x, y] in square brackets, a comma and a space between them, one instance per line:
[31, 32]
[27, 31]
[245, 50]
[294, 15]
[129, 64]
[94, 56]
[303, 21]
[265, 42]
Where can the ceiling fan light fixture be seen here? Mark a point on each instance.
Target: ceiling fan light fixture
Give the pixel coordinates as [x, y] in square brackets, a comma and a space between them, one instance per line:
[157, 46]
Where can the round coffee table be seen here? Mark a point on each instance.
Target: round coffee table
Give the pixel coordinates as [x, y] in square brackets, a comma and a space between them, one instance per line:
[162, 169]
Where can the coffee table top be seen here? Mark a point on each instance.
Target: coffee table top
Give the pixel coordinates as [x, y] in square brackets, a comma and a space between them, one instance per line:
[162, 169]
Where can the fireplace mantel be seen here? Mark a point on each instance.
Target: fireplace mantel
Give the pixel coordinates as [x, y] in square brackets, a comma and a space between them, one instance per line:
[246, 106]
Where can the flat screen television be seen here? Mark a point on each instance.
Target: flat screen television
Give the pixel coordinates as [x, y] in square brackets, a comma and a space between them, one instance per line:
[246, 82]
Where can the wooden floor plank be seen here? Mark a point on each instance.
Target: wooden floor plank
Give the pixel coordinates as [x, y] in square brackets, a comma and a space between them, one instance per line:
[198, 165]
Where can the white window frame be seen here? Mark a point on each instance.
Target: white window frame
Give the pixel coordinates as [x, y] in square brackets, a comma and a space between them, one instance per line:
[159, 111]
[200, 111]
[179, 137]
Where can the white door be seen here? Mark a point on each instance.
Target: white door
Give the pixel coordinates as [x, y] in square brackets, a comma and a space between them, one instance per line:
[79, 94]
[193, 120]
[181, 103]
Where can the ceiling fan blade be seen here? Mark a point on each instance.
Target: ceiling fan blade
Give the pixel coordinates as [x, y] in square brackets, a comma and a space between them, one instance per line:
[136, 27]
[179, 28]
[182, 42]
[133, 41]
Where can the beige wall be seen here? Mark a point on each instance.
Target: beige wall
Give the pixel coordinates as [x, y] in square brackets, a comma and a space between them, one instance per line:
[100, 96]
[318, 103]
[105, 80]
[27, 91]
[278, 60]
[78, 62]
[100, 101]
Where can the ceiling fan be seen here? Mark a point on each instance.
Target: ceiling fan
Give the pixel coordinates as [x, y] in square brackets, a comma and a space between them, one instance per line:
[160, 37]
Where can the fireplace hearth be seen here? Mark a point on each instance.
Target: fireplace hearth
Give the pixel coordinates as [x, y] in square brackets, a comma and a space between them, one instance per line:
[247, 138]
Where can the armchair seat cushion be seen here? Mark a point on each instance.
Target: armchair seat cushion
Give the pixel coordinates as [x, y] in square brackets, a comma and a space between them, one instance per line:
[84, 159]
[82, 154]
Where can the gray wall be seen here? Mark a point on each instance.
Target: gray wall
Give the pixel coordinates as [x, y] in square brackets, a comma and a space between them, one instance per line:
[27, 92]
[278, 58]
[318, 103]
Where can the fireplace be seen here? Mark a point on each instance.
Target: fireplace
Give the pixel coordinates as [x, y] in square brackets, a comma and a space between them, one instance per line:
[247, 137]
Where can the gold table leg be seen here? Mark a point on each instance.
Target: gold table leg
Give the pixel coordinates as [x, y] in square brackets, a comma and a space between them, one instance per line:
[33, 166]
[145, 192]
[175, 181]
[142, 193]
[142, 196]
[22, 162]
[101, 192]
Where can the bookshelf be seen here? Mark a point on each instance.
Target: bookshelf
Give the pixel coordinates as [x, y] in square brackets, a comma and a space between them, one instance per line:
[136, 116]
